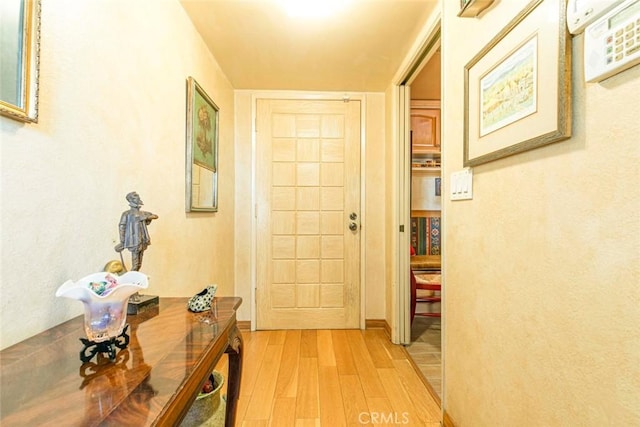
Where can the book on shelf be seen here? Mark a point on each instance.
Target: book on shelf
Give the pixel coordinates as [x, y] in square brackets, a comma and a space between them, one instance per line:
[425, 163]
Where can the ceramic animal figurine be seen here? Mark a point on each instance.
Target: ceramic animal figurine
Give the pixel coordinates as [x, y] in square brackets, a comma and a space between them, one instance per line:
[202, 300]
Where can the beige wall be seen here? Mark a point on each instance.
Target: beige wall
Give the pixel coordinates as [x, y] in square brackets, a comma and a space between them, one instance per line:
[542, 267]
[112, 120]
[374, 187]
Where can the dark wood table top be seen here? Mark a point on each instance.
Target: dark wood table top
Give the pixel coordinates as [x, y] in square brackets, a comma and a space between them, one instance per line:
[153, 381]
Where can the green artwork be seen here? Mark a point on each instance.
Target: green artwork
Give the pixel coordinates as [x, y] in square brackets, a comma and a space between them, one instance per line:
[204, 133]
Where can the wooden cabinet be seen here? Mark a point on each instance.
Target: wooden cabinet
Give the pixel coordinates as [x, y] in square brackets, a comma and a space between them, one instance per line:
[425, 126]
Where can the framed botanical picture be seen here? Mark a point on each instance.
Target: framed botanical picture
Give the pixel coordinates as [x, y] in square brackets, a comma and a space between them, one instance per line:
[202, 150]
[517, 89]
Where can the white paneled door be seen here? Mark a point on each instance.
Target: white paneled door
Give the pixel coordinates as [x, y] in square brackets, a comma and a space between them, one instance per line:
[308, 214]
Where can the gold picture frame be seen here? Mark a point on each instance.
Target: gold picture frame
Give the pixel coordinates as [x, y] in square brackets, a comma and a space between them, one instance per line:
[517, 89]
[20, 51]
[202, 150]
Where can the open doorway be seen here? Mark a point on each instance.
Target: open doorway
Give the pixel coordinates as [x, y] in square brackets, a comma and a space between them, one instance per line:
[425, 347]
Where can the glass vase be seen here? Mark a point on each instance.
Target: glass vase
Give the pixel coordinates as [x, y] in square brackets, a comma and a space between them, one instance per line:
[105, 297]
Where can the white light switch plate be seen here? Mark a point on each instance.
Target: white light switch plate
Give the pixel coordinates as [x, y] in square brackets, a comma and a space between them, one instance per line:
[462, 185]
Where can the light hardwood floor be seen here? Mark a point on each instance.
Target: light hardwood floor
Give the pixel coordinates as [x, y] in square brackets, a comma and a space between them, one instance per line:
[330, 378]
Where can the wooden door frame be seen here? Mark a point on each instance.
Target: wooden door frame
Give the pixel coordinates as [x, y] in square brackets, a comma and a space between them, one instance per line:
[305, 96]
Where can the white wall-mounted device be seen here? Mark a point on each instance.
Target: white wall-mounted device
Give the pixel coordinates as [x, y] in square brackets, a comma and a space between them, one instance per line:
[461, 185]
[581, 13]
[612, 42]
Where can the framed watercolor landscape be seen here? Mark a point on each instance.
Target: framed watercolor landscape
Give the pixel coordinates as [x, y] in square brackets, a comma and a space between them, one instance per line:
[507, 110]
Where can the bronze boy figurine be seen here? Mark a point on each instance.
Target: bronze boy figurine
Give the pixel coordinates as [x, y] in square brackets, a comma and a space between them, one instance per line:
[133, 230]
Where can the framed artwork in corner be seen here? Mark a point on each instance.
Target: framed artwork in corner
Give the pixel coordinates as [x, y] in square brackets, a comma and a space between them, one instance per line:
[20, 52]
[202, 150]
[517, 89]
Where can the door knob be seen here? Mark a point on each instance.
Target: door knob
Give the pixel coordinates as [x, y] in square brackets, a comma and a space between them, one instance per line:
[353, 226]
[353, 216]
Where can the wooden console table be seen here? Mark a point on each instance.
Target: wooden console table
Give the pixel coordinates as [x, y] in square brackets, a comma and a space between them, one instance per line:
[153, 381]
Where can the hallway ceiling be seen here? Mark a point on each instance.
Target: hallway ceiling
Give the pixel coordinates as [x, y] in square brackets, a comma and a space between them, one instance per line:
[258, 46]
